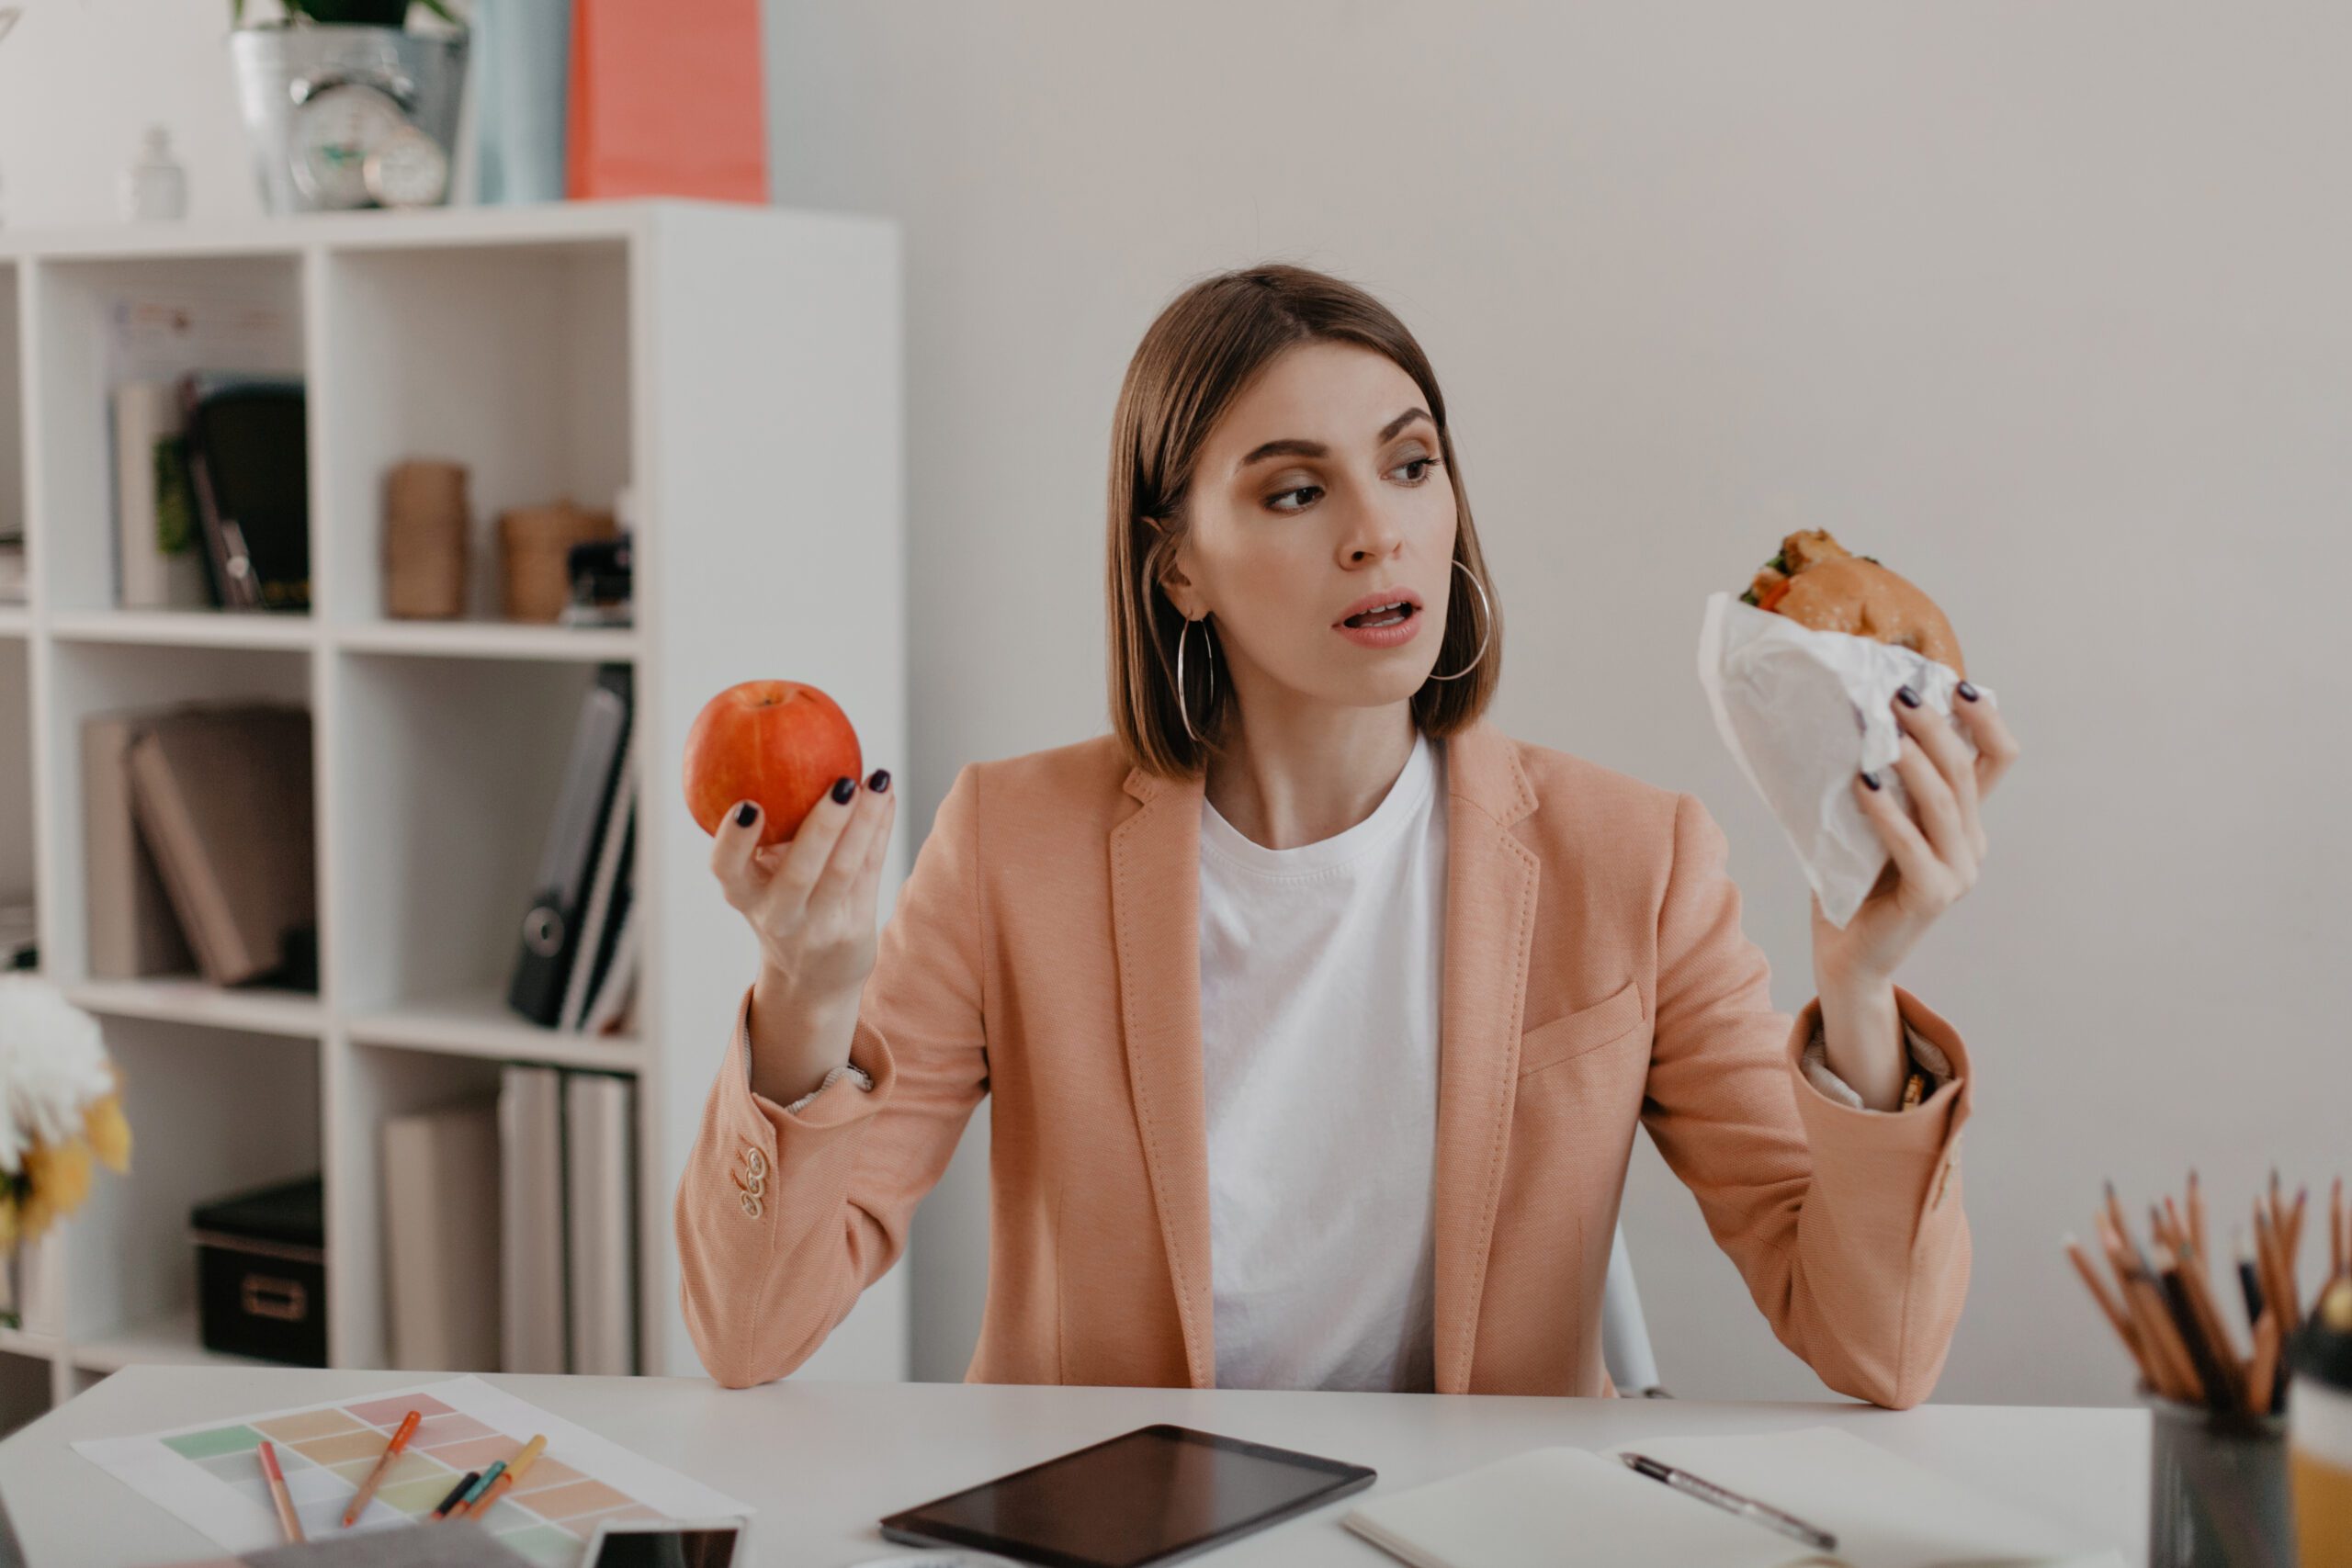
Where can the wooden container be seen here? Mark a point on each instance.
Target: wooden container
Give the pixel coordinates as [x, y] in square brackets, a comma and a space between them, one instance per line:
[534, 542]
[427, 529]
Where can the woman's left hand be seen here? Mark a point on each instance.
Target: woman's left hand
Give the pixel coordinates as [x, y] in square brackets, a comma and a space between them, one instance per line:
[1935, 859]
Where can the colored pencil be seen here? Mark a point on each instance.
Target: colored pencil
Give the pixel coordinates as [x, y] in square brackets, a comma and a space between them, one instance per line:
[441, 1511]
[523, 1458]
[2196, 1218]
[2107, 1305]
[406, 1430]
[473, 1494]
[287, 1523]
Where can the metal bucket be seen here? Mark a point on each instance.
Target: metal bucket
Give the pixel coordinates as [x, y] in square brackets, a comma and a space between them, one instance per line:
[280, 68]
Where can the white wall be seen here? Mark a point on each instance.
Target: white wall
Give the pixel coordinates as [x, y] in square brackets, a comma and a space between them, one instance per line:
[2044, 304]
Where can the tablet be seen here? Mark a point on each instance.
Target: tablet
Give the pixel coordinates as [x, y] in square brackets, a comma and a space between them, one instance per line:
[1156, 1494]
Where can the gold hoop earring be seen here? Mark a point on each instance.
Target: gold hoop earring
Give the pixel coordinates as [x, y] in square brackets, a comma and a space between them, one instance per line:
[1484, 637]
[1183, 711]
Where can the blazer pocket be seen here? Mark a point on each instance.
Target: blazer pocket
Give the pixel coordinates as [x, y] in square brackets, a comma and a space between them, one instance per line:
[1588, 1029]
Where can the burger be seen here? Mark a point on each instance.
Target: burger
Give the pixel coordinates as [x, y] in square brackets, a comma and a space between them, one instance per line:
[1816, 581]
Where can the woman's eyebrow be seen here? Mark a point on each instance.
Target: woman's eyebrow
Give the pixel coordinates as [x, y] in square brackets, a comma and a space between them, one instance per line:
[1292, 446]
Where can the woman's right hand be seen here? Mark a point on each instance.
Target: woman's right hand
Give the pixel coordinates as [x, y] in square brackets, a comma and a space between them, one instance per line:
[810, 902]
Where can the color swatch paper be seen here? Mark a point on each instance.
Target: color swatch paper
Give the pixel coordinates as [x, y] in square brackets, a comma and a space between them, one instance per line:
[210, 1475]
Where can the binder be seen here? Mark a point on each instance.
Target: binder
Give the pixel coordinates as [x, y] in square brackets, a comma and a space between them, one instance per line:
[599, 1180]
[441, 1236]
[619, 844]
[549, 936]
[531, 1222]
[248, 465]
[607, 1013]
[158, 562]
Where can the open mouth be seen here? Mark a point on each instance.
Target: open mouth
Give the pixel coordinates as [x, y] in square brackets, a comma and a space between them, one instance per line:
[1393, 615]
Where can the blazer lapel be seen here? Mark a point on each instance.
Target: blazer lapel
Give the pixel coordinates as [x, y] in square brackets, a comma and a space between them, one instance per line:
[1155, 917]
[1491, 888]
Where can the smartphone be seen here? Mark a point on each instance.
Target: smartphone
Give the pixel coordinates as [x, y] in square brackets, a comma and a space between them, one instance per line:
[669, 1543]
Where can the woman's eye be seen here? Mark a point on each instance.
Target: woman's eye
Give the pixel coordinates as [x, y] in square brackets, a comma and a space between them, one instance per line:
[1424, 464]
[1276, 500]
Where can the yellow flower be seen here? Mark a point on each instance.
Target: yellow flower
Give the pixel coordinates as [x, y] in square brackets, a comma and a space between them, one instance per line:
[59, 1175]
[109, 1133]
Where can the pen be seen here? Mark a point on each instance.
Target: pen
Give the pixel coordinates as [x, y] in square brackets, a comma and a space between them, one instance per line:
[391, 1451]
[460, 1490]
[1764, 1514]
[507, 1478]
[287, 1522]
[472, 1494]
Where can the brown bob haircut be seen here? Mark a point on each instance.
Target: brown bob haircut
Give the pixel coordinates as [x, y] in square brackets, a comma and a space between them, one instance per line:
[1200, 355]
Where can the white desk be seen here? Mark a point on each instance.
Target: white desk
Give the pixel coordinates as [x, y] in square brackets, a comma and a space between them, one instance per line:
[822, 1461]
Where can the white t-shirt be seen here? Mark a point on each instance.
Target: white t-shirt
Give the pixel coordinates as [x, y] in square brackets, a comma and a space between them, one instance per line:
[1319, 995]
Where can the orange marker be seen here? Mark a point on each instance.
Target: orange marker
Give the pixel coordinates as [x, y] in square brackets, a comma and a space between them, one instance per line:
[287, 1522]
[391, 1451]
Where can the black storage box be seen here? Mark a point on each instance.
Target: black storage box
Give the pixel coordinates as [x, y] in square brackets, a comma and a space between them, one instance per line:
[261, 1267]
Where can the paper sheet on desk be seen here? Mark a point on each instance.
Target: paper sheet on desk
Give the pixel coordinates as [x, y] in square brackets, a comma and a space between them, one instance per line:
[209, 1475]
[1805, 711]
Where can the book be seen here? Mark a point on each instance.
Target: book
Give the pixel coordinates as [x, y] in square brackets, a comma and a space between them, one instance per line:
[600, 1183]
[550, 926]
[1555, 1505]
[441, 1235]
[158, 564]
[222, 795]
[133, 930]
[532, 1323]
[618, 841]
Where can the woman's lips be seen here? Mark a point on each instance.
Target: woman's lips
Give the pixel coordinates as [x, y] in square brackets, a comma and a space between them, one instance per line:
[1394, 636]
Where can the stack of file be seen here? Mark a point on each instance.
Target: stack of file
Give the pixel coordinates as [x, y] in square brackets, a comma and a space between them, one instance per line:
[576, 959]
[510, 1228]
[569, 1273]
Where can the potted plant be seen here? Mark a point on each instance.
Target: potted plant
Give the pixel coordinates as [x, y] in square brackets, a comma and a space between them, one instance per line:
[346, 107]
[60, 1109]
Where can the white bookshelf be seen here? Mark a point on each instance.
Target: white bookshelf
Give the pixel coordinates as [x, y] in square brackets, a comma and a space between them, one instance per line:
[740, 369]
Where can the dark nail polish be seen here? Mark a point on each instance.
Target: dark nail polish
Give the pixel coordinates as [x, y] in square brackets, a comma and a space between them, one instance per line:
[746, 814]
[880, 780]
[843, 787]
[1967, 691]
[1871, 780]
[1906, 696]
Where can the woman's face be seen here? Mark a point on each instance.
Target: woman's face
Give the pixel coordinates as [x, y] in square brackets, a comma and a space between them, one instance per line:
[1322, 486]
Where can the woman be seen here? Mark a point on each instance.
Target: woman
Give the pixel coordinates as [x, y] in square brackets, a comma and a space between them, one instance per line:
[1318, 1013]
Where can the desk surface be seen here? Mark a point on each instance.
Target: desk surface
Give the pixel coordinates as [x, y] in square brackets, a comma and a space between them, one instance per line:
[822, 1461]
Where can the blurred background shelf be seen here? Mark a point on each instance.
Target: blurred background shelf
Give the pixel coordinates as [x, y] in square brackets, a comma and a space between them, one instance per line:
[194, 1001]
[479, 1023]
[489, 639]
[566, 350]
[188, 628]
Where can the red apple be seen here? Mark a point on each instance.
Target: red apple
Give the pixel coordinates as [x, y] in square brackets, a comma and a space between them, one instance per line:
[779, 743]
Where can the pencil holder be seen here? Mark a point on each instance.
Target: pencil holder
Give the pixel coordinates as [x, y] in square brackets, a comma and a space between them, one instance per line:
[2217, 1488]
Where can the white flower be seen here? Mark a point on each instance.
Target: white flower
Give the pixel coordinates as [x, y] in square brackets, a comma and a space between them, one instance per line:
[53, 1067]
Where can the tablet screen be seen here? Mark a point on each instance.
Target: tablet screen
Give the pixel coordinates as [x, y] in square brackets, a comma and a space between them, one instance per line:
[1153, 1495]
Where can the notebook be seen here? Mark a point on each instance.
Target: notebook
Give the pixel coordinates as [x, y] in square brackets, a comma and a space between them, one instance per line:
[1556, 1507]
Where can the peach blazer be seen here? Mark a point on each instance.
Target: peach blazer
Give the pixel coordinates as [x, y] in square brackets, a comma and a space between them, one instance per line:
[1045, 950]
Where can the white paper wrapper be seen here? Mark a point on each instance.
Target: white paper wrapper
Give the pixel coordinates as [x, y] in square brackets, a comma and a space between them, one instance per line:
[1805, 711]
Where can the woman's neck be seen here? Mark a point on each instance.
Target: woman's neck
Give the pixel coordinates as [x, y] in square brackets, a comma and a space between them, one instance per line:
[1309, 774]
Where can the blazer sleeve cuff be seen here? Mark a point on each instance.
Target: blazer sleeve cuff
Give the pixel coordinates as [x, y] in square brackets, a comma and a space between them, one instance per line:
[1834, 1112]
[842, 1104]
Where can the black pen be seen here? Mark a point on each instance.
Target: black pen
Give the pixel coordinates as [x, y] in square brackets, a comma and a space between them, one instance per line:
[1682, 1480]
[454, 1493]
